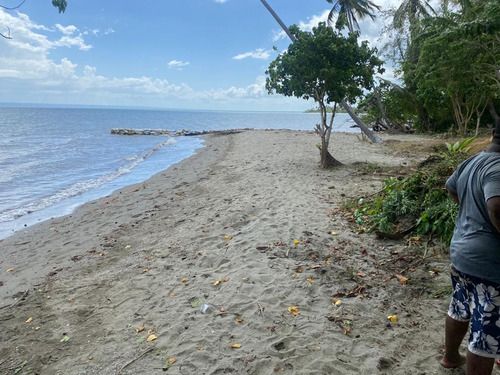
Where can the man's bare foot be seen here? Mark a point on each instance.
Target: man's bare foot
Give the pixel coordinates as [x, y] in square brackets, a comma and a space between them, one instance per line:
[452, 363]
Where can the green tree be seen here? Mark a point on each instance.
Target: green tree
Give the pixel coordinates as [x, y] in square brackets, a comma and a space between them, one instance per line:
[326, 66]
[350, 11]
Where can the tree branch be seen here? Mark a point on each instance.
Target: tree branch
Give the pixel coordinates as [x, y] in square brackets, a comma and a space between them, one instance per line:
[6, 36]
[7, 8]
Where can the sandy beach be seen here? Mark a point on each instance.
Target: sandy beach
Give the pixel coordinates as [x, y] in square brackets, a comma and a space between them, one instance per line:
[249, 230]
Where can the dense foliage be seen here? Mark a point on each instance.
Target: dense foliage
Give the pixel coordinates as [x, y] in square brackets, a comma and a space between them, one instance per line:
[449, 62]
[418, 203]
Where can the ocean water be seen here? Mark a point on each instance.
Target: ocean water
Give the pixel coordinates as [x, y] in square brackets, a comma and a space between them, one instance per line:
[53, 160]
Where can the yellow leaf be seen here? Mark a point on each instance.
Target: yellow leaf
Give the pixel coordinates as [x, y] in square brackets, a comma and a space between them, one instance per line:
[172, 360]
[29, 320]
[151, 331]
[236, 346]
[393, 318]
[294, 310]
[334, 234]
[403, 280]
[327, 261]
[145, 270]
[294, 276]
[336, 301]
[142, 328]
[347, 331]
[310, 280]
[151, 338]
[218, 282]
[296, 242]
[228, 237]
[9, 269]
[239, 320]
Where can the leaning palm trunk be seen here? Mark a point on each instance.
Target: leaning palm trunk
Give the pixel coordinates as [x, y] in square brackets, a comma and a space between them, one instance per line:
[346, 106]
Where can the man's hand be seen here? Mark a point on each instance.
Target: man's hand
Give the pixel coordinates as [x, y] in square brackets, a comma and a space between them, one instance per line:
[493, 205]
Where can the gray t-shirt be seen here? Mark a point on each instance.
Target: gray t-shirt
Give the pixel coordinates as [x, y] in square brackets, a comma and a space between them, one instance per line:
[475, 246]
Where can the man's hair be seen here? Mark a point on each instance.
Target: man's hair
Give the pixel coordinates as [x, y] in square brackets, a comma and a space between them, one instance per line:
[496, 135]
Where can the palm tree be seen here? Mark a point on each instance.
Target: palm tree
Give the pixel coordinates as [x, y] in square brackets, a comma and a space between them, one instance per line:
[412, 11]
[350, 11]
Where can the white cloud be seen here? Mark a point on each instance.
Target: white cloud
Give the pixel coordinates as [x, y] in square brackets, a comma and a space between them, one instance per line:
[176, 64]
[66, 30]
[259, 53]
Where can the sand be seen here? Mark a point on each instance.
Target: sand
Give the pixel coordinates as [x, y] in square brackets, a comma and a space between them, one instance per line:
[245, 227]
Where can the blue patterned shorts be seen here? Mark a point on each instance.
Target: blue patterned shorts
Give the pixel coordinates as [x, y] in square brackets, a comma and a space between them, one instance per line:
[478, 301]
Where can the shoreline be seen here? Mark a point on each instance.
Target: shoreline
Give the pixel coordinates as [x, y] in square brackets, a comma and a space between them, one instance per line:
[244, 225]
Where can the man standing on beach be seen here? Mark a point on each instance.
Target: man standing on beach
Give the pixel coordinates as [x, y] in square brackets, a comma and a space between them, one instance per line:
[475, 259]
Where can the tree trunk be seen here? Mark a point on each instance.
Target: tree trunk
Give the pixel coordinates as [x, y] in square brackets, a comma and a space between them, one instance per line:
[327, 160]
[374, 138]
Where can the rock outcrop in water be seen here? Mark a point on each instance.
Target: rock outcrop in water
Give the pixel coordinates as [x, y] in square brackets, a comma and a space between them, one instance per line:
[175, 133]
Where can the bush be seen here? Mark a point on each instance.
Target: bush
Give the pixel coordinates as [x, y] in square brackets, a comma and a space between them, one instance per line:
[418, 203]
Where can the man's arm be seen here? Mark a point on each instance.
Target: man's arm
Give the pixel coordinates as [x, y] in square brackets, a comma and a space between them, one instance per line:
[493, 205]
[453, 195]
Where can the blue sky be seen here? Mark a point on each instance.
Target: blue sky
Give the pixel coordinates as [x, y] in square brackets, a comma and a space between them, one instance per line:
[190, 54]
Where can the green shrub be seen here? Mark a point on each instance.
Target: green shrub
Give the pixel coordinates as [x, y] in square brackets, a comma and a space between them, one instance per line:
[419, 202]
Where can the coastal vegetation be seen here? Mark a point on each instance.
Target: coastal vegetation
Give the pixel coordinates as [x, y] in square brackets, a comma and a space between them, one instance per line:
[328, 67]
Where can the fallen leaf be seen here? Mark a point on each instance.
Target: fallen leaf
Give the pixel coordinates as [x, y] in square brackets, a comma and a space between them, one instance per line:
[151, 331]
[334, 233]
[294, 310]
[151, 338]
[37, 328]
[347, 331]
[336, 301]
[236, 346]
[317, 349]
[200, 348]
[64, 339]
[145, 270]
[300, 270]
[172, 360]
[239, 320]
[101, 254]
[90, 358]
[217, 282]
[228, 237]
[310, 280]
[403, 280]
[29, 320]
[140, 329]
[296, 242]
[226, 279]
[195, 303]
[9, 269]
[361, 273]
[128, 246]
[393, 318]
[173, 294]
[184, 281]
[294, 276]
